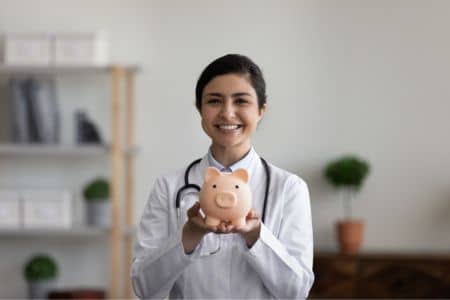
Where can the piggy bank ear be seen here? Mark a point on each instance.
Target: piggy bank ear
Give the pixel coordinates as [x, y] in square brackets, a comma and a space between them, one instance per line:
[211, 172]
[242, 174]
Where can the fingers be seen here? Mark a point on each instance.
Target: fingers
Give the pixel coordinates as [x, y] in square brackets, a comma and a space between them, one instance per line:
[225, 227]
[198, 220]
[194, 210]
[252, 215]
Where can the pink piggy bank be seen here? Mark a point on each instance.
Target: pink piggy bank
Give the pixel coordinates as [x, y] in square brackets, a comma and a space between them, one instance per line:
[225, 197]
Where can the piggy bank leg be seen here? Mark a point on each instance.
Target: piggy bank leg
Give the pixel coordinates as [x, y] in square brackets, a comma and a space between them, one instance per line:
[210, 221]
[238, 223]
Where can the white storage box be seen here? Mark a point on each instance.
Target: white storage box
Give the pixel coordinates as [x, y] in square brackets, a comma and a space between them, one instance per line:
[9, 209]
[27, 49]
[47, 208]
[80, 49]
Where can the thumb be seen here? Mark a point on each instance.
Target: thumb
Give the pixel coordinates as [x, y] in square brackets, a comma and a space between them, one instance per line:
[193, 211]
[252, 214]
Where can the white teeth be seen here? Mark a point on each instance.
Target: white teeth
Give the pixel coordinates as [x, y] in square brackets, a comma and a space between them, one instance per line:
[229, 127]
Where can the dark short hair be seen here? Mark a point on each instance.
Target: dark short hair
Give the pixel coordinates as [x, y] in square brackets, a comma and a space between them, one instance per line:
[232, 64]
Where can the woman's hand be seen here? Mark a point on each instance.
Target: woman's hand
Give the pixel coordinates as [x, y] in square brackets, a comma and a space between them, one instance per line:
[195, 228]
[251, 230]
[197, 222]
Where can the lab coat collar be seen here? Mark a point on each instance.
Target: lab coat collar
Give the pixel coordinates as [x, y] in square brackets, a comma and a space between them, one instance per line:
[244, 163]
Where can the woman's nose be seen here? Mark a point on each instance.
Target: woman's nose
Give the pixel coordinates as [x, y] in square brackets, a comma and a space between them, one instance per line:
[227, 110]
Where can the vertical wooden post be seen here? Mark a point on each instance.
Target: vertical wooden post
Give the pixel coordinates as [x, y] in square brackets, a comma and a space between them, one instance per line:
[129, 180]
[117, 155]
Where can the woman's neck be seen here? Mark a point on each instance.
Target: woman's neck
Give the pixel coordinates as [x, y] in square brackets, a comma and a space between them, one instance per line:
[228, 156]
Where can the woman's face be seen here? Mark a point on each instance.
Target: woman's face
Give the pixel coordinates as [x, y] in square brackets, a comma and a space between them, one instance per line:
[230, 112]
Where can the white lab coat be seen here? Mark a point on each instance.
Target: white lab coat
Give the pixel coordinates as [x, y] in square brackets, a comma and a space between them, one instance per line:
[278, 265]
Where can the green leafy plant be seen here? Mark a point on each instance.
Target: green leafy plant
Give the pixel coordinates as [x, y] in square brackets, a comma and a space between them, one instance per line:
[347, 173]
[97, 190]
[40, 267]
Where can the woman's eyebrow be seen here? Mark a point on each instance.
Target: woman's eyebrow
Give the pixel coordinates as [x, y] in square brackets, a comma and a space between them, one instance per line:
[214, 94]
[239, 94]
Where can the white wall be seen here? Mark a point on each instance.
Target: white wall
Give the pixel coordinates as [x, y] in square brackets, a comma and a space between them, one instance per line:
[365, 77]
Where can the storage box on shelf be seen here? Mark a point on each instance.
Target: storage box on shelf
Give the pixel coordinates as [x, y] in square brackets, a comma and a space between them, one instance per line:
[9, 209]
[63, 49]
[121, 156]
[27, 49]
[47, 208]
[35, 209]
[72, 49]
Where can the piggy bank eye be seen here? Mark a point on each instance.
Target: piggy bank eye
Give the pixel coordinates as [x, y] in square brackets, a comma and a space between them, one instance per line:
[214, 186]
[236, 186]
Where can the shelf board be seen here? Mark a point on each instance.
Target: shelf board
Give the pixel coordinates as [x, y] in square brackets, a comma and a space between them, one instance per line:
[59, 150]
[18, 69]
[77, 231]
[80, 231]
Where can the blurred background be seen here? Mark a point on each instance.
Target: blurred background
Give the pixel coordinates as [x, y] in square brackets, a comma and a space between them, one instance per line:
[367, 78]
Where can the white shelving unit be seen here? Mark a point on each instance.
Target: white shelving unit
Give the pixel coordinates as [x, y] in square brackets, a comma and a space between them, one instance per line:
[77, 231]
[60, 150]
[121, 153]
[61, 70]
[52, 150]
[81, 232]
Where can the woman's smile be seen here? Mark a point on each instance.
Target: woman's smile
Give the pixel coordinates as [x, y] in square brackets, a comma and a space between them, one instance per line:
[227, 128]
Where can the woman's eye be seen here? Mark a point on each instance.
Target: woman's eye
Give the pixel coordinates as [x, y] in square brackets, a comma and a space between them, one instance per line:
[213, 101]
[241, 101]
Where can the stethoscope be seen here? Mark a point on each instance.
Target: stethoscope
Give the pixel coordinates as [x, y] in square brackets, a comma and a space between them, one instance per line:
[196, 187]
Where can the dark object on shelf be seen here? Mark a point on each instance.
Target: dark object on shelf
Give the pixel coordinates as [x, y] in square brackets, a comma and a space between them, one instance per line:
[77, 294]
[381, 276]
[87, 132]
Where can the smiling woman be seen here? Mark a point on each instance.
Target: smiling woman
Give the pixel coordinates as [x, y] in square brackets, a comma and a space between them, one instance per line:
[230, 114]
[183, 256]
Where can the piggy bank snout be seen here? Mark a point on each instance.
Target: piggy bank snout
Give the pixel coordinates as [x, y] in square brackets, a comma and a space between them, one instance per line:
[226, 199]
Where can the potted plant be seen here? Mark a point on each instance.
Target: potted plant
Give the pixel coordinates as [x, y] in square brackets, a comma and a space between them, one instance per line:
[40, 272]
[347, 174]
[98, 207]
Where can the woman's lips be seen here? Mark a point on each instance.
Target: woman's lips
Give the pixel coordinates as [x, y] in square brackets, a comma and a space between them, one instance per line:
[227, 128]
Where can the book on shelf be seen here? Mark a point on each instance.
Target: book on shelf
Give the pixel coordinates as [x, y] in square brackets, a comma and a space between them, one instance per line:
[43, 109]
[34, 113]
[18, 115]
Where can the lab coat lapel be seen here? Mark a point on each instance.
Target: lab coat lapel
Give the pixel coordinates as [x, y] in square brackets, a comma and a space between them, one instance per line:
[198, 173]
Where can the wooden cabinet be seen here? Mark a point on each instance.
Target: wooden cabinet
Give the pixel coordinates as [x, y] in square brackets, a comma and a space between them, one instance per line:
[381, 276]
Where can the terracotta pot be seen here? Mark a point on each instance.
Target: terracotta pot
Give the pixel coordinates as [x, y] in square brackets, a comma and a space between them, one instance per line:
[350, 235]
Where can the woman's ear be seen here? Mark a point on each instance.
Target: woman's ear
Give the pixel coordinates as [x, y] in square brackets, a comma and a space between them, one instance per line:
[262, 111]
